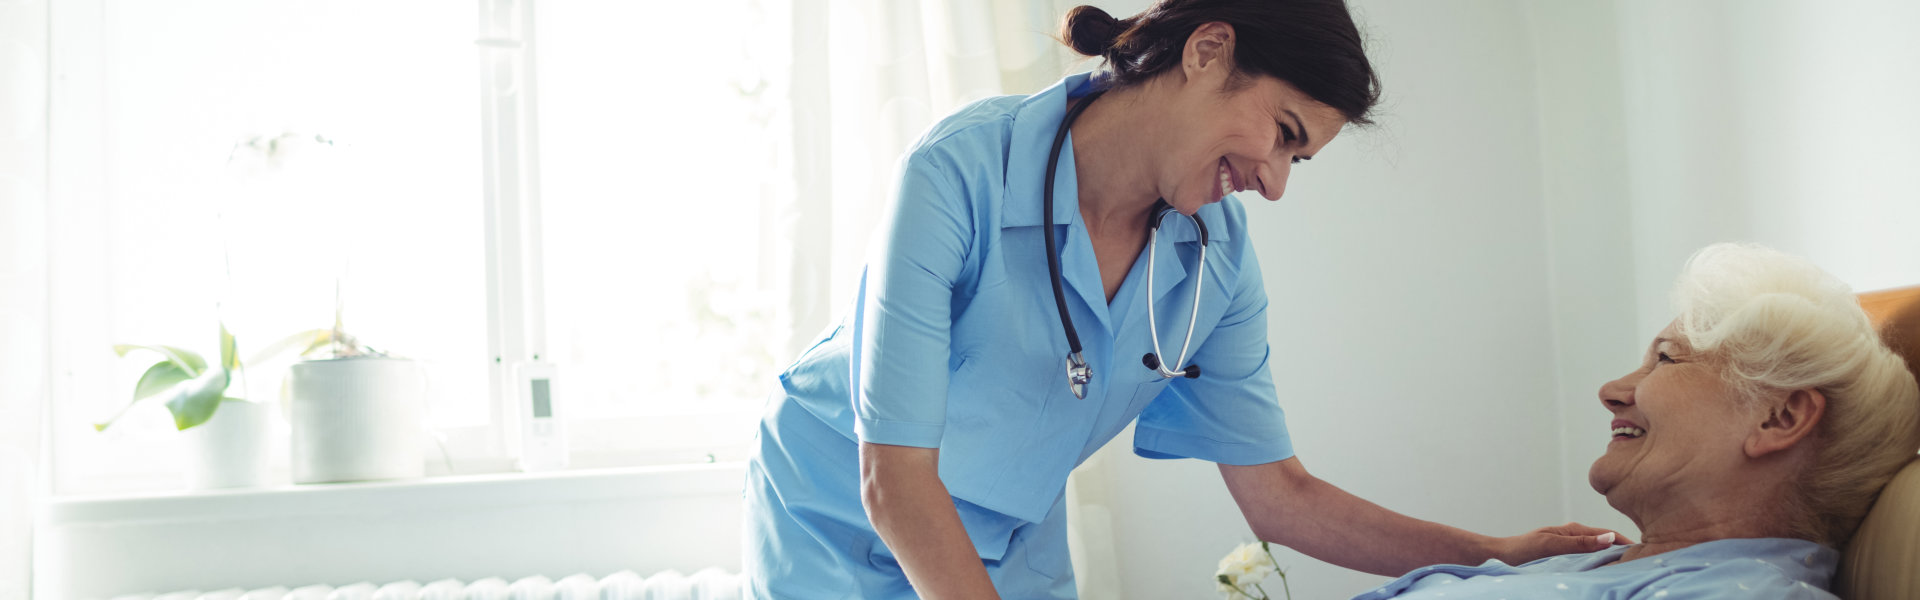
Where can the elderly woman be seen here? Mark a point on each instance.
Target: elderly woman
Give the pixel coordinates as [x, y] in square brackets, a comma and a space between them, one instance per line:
[1747, 445]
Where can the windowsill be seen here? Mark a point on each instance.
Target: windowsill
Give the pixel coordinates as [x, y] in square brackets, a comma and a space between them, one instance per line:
[428, 494]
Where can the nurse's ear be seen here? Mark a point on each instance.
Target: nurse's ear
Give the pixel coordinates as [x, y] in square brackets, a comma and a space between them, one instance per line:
[1208, 55]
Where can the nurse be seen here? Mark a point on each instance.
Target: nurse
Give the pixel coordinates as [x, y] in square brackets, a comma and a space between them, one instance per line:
[921, 446]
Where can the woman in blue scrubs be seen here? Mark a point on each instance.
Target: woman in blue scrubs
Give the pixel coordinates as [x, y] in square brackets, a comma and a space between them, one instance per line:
[921, 446]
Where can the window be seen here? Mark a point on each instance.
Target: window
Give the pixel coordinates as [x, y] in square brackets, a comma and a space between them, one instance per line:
[639, 192]
[664, 199]
[661, 169]
[640, 245]
[169, 219]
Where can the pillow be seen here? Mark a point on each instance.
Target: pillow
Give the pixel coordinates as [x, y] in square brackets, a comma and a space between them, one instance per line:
[1880, 562]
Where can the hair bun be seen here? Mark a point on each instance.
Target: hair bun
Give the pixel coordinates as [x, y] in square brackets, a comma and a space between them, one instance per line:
[1090, 30]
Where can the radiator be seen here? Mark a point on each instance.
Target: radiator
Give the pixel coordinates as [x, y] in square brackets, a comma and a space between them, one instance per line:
[708, 584]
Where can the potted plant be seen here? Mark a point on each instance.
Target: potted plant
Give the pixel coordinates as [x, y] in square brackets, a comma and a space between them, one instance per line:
[358, 414]
[226, 434]
[229, 451]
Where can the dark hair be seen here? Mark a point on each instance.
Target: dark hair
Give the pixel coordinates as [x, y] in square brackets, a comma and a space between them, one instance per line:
[1311, 44]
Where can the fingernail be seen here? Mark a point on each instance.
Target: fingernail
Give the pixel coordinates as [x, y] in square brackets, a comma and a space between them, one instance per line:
[1607, 538]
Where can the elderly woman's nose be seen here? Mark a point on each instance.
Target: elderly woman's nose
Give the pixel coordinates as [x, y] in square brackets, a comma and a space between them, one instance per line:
[1619, 392]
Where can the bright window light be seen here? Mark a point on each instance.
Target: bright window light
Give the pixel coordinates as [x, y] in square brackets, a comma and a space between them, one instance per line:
[199, 224]
[660, 141]
[261, 159]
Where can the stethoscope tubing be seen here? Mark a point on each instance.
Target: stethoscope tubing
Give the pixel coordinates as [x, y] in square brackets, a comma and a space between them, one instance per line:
[1046, 208]
[1079, 374]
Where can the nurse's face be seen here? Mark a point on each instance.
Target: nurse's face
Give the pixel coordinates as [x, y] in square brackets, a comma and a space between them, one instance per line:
[1678, 427]
[1235, 132]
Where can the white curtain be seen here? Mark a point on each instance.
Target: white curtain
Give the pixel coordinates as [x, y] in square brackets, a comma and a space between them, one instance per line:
[23, 278]
[869, 77]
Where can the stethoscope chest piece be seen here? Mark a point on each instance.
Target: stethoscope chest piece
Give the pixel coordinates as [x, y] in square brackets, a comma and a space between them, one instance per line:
[1078, 375]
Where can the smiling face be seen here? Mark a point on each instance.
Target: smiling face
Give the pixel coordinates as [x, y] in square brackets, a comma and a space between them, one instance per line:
[1233, 131]
[1678, 426]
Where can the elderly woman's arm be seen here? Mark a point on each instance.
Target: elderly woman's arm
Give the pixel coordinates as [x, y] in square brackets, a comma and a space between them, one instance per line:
[1286, 505]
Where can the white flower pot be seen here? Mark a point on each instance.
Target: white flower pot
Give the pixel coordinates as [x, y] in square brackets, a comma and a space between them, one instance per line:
[230, 449]
[357, 419]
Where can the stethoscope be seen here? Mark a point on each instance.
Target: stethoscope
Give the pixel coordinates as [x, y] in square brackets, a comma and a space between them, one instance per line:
[1078, 373]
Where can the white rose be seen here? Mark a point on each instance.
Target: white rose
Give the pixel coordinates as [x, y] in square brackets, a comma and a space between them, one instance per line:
[1246, 566]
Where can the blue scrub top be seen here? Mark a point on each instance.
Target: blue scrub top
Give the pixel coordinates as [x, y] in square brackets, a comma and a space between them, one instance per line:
[955, 343]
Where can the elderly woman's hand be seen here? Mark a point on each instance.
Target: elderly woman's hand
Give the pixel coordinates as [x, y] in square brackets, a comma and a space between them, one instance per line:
[1554, 541]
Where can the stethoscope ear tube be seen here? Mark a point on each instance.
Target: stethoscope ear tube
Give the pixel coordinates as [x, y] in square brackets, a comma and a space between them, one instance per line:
[1153, 327]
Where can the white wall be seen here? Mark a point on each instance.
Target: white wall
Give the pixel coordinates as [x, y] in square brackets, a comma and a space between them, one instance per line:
[1589, 233]
[1792, 124]
[23, 277]
[1411, 330]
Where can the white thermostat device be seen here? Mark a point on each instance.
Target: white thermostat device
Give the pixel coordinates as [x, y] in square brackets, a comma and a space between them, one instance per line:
[543, 434]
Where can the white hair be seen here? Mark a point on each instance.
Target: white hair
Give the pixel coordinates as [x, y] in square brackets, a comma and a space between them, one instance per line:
[1780, 323]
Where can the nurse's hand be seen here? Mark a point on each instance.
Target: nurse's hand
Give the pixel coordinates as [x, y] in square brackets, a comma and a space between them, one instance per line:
[1554, 541]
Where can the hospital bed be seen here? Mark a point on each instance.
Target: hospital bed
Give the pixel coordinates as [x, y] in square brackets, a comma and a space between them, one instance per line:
[1883, 561]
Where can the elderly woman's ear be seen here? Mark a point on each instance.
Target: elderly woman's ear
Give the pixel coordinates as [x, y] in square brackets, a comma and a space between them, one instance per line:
[1787, 423]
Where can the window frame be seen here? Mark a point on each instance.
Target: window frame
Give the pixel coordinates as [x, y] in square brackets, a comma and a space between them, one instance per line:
[506, 62]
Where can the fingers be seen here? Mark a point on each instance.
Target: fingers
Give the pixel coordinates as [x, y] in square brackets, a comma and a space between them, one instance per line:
[1577, 529]
[1604, 541]
[1554, 544]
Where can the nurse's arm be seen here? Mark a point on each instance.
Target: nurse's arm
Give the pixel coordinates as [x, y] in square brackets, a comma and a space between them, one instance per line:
[1286, 505]
[911, 509]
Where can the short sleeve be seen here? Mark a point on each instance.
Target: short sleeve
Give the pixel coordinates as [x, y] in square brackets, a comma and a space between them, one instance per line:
[1230, 414]
[902, 324]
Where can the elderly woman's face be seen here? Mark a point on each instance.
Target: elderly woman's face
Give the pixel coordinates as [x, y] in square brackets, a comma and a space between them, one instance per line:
[1677, 424]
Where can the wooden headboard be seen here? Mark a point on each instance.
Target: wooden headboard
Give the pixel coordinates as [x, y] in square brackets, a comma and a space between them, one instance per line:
[1879, 564]
[1896, 313]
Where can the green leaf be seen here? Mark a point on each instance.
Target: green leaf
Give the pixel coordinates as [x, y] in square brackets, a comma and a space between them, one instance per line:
[158, 378]
[305, 341]
[229, 351]
[180, 399]
[195, 402]
[186, 360]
